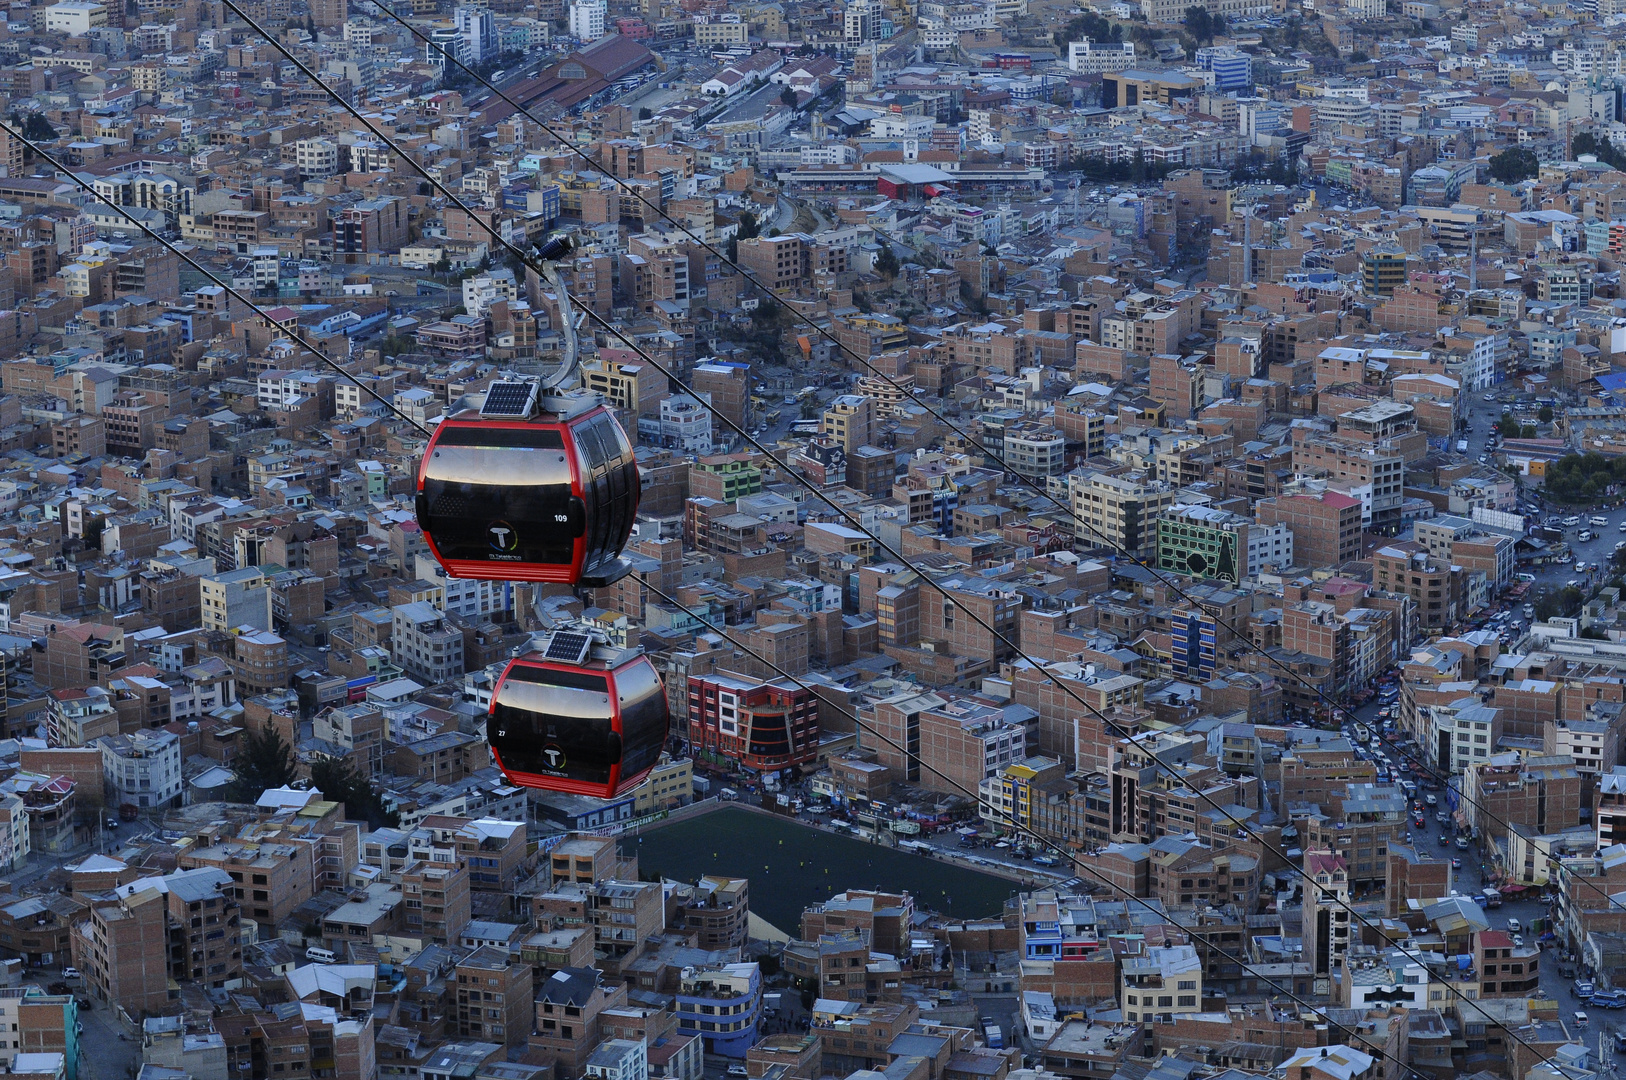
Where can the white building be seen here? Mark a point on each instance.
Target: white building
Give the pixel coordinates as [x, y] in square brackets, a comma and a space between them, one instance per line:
[483, 290]
[465, 596]
[1096, 57]
[74, 17]
[477, 33]
[619, 1059]
[236, 598]
[316, 158]
[15, 839]
[142, 768]
[587, 19]
[1269, 545]
[424, 645]
[899, 126]
[1611, 812]
[683, 424]
[860, 23]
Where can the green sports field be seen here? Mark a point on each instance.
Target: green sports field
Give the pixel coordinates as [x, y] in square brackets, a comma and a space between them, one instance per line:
[792, 866]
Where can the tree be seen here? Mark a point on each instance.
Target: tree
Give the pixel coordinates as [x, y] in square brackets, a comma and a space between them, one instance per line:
[1546, 414]
[1601, 148]
[646, 113]
[266, 762]
[886, 263]
[749, 227]
[1200, 23]
[338, 781]
[1359, 56]
[1093, 26]
[1558, 603]
[1528, 431]
[787, 98]
[1508, 426]
[1514, 164]
[37, 128]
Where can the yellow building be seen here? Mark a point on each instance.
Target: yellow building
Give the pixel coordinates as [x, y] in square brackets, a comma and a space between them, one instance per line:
[631, 385]
[669, 785]
[721, 33]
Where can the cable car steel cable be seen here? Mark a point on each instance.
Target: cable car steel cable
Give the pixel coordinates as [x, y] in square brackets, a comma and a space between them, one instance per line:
[740, 431]
[294, 336]
[745, 436]
[911, 393]
[737, 428]
[91, 190]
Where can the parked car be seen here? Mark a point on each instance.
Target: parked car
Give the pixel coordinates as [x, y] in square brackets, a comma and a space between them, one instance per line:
[1580, 1019]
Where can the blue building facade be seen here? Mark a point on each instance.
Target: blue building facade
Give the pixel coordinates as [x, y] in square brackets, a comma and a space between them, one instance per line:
[723, 1006]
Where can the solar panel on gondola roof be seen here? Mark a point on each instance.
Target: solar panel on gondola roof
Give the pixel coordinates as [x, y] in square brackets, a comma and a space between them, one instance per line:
[568, 646]
[509, 399]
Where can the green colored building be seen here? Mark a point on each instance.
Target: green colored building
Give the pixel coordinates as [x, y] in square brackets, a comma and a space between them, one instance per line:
[740, 477]
[1203, 542]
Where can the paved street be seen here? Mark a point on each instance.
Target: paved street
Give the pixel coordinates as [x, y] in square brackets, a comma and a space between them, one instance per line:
[1483, 416]
[103, 1055]
[1470, 880]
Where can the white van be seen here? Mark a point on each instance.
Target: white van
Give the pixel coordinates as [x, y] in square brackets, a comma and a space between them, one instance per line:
[321, 955]
[1598, 521]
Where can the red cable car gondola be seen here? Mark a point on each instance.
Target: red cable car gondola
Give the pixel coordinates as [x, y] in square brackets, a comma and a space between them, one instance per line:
[565, 719]
[531, 485]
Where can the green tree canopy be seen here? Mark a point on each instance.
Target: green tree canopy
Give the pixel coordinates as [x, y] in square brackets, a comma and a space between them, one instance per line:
[267, 761]
[1600, 147]
[1093, 26]
[1583, 478]
[1515, 164]
[338, 781]
[1200, 23]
